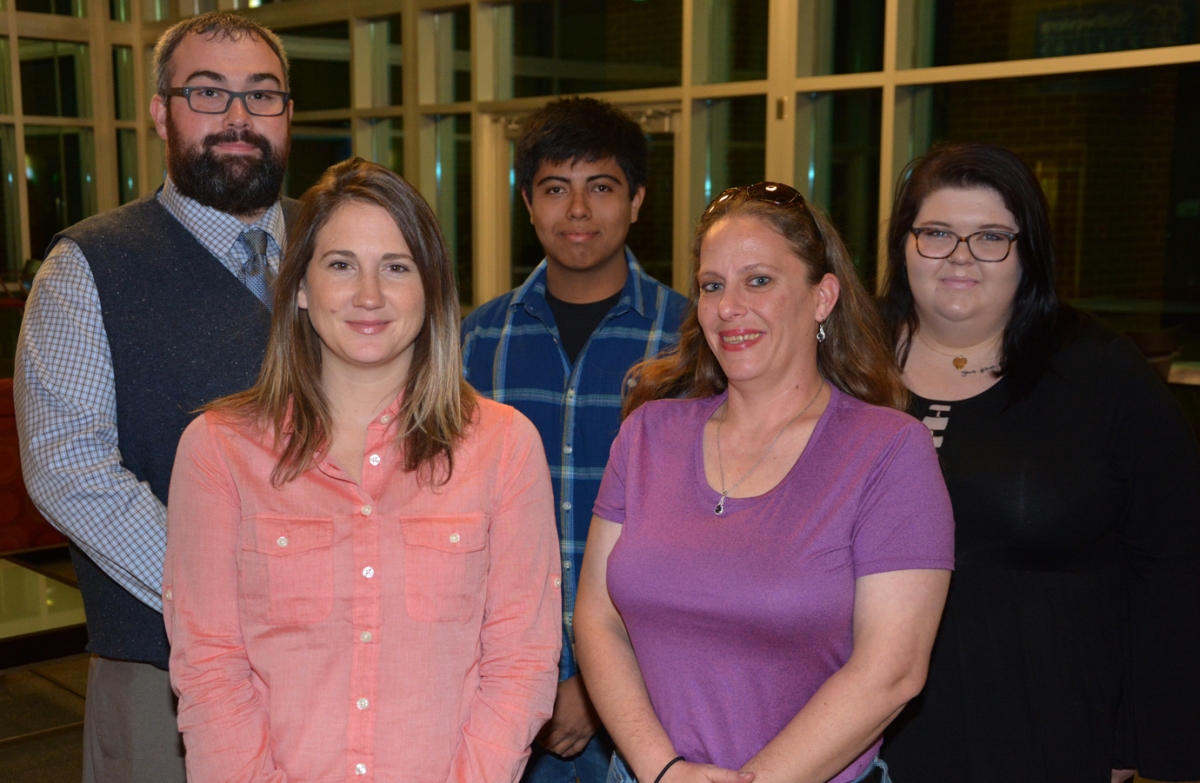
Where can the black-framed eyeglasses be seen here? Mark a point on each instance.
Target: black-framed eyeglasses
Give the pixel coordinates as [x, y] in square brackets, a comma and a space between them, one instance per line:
[771, 192]
[988, 246]
[217, 100]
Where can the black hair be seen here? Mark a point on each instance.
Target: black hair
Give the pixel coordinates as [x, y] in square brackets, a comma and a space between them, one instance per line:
[1030, 336]
[581, 129]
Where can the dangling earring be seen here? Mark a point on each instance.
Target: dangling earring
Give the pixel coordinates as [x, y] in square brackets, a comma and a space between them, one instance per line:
[821, 332]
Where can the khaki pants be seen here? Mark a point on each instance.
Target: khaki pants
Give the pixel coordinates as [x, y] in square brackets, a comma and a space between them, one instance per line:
[129, 729]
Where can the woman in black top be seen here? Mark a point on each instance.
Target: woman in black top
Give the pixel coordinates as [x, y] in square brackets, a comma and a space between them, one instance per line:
[1070, 645]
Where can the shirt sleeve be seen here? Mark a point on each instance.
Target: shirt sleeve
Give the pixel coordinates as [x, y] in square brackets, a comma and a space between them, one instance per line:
[66, 407]
[225, 725]
[905, 520]
[521, 636]
[610, 501]
[1156, 455]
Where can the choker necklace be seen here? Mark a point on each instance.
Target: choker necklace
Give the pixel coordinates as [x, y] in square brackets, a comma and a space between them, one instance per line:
[720, 509]
[959, 360]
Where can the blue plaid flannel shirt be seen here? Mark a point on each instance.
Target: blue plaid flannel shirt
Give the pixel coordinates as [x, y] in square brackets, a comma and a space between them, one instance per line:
[512, 353]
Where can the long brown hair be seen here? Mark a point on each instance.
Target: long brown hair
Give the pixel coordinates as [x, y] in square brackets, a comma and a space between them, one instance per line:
[855, 355]
[438, 404]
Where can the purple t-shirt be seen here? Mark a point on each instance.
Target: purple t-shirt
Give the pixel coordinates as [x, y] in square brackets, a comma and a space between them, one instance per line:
[737, 620]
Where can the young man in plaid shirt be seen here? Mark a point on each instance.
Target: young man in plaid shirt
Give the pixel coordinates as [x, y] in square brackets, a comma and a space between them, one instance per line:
[557, 348]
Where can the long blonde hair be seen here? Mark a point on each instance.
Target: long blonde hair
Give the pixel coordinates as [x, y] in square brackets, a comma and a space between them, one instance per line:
[438, 404]
[855, 355]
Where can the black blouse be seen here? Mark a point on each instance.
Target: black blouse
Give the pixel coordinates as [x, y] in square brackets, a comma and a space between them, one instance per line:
[1070, 643]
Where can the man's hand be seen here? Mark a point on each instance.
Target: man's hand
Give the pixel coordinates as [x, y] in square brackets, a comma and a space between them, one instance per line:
[573, 723]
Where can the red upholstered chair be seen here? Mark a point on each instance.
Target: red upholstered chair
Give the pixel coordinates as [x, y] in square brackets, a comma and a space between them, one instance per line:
[21, 526]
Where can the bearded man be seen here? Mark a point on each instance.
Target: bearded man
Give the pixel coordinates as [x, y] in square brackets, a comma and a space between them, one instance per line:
[138, 317]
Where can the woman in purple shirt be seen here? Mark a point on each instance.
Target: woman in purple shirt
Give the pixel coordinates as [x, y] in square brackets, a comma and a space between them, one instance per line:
[772, 542]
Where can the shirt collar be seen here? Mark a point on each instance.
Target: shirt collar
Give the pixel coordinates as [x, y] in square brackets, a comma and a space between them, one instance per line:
[532, 293]
[215, 230]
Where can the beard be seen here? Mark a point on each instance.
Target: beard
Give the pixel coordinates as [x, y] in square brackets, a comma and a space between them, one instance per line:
[239, 185]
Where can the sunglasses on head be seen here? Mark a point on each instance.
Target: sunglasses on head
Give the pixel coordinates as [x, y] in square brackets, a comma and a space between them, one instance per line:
[771, 192]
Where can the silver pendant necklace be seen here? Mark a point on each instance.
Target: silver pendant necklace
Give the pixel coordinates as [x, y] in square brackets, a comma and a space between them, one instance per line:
[720, 509]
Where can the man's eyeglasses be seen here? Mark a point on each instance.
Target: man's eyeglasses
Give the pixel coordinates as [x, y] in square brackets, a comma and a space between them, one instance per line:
[770, 192]
[217, 100]
[987, 246]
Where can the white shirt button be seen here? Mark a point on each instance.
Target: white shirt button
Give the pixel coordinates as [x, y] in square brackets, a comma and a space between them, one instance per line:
[361, 704]
[368, 572]
[167, 594]
[366, 636]
[566, 565]
[567, 449]
[570, 394]
[557, 582]
[282, 541]
[360, 769]
[384, 419]
[454, 538]
[375, 459]
[366, 511]
[566, 506]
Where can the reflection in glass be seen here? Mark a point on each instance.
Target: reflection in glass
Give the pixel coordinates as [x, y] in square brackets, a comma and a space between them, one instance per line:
[556, 47]
[123, 93]
[731, 40]
[156, 160]
[451, 135]
[840, 36]
[155, 10]
[60, 171]
[650, 238]
[320, 65]
[30, 602]
[450, 38]
[1123, 185]
[120, 10]
[837, 166]
[387, 58]
[733, 135]
[127, 173]
[56, 78]
[315, 147]
[6, 101]
[10, 214]
[61, 7]
[955, 32]
[387, 142]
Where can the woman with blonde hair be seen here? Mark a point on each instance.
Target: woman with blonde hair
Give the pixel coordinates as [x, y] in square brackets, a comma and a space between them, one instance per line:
[361, 575]
[772, 541]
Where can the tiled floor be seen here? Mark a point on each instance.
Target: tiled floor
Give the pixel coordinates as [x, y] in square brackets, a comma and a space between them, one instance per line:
[41, 721]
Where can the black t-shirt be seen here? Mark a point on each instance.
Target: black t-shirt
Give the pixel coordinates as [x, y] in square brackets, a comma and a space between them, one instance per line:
[576, 322]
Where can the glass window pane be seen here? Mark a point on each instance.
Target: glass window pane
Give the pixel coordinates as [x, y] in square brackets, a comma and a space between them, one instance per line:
[10, 214]
[731, 40]
[60, 165]
[1123, 186]
[60, 7]
[315, 147]
[559, 47]
[156, 160]
[732, 135]
[127, 164]
[56, 78]
[954, 32]
[155, 10]
[320, 65]
[840, 36]
[387, 60]
[451, 135]
[837, 166]
[123, 93]
[387, 142]
[6, 101]
[120, 10]
[449, 35]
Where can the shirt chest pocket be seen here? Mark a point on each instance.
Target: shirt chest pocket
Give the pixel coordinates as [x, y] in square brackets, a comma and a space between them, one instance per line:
[287, 569]
[445, 566]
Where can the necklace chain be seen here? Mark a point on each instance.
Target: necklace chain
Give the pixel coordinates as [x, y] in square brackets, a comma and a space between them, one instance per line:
[720, 509]
[960, 359]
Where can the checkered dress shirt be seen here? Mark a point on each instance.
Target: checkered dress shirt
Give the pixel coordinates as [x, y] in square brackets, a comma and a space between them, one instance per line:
[67, 407]
[512, 353]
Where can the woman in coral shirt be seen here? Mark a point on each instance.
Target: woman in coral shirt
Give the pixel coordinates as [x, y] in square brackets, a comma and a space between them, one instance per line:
[361, 576]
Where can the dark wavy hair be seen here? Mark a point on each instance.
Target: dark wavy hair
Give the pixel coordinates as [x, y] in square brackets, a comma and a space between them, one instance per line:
[855, 356]
[1030, 335]
[438, 404]
[584, 129]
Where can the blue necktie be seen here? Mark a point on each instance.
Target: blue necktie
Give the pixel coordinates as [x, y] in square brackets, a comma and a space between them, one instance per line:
[256, 272]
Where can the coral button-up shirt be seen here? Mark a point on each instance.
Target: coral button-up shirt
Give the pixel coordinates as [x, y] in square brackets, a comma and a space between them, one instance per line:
[328, 631]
